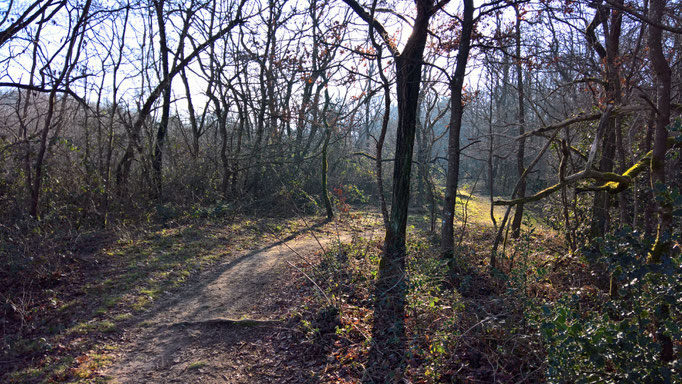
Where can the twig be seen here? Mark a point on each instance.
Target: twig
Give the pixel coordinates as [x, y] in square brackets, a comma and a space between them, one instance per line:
[312, 281]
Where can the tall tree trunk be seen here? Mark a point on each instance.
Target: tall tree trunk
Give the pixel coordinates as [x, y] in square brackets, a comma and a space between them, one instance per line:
[614, 88]
[521, 154]
[196, 130]
[162, 129]
[612, 139]
[661, 69]
[648, 192]
[325, 189]
[447, 240]
[661, 248]
[387, 354]
[600, 207]
[364, 141]
[380, 144]
[421, 158]
[224, 161]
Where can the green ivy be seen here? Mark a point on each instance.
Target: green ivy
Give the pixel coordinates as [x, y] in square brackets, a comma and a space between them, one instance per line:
[600, 339]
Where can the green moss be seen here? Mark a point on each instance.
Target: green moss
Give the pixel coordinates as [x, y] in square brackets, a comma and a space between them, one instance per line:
[107, 326]
[67, 306]
[197, 365]
[26, 375]
[85, 327]
[122, 317]
[140, 303]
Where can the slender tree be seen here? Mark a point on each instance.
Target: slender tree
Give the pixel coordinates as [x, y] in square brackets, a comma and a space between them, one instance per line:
[521, 152]
[447, 239]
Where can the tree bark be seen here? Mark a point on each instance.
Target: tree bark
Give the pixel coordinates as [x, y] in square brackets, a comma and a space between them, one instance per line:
[447, 240]
[520, 155]
[325, 145]
[661, 69]
[661, 248]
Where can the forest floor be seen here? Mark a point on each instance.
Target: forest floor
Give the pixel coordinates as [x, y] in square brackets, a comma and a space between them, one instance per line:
[237, 300]
[231, 325]
[168, 302]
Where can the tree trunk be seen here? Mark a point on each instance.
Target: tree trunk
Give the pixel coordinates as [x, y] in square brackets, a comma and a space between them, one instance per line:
[614, 87]
[648, 192]
[520, 155]
[387, 354]
[325, 145]
[447, 240]
[663, 77]
[661, 248]
[162, 129]
[196, 130]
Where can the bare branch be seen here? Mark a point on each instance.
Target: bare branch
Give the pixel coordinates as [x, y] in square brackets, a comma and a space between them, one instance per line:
[374, 23]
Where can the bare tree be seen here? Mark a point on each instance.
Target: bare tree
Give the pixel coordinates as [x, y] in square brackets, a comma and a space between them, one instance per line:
[387, 353]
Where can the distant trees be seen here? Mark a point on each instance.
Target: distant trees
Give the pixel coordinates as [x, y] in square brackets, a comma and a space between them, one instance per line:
[50, 121]
[236, 107]
[619, 106]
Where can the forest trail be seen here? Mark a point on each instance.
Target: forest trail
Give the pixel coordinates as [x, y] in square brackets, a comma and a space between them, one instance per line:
[212, 331]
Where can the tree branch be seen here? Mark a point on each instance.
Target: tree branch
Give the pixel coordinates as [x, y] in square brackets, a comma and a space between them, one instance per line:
[362, 13]
[631, 12]
[615, 183]
[44, 90]
[578, 119]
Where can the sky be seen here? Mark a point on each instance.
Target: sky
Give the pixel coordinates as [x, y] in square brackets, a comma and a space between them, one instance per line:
[16, 55]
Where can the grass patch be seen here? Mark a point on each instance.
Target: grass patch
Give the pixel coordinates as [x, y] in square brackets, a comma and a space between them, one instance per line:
[26, 375]
[87, 327]
[89, 364]
[107, 326]
[196, 365]
[108, 303]
[121, 317]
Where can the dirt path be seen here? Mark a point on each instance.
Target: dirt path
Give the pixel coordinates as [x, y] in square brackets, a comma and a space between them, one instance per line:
[200, 334]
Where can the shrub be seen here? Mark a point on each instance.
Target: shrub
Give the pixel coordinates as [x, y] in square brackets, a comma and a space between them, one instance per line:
[617, 339]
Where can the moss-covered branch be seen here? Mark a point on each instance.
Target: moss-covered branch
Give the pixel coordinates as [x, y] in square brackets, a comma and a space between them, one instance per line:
[613, 182]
